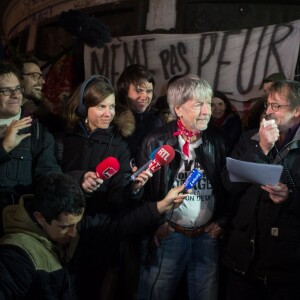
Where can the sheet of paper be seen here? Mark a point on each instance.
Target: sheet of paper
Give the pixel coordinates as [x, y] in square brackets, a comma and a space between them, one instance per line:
[242, 171]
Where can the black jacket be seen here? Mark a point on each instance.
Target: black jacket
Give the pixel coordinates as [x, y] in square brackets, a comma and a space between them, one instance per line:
[83, 151]
[145, 123]
[264, 238]
[211, 155]
[26, 163]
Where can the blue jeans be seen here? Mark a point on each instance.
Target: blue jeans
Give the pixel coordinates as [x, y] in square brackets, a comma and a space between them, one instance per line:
[197, 258]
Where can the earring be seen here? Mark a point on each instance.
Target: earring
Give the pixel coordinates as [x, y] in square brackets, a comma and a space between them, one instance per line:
[86, 121]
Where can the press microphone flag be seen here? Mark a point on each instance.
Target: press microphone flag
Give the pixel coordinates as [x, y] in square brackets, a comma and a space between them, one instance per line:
[107, 168]
[192, 179]
[164, 155]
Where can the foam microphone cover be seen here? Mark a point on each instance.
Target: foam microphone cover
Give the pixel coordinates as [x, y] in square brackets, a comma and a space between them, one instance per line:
[107, 168]
[164, 155]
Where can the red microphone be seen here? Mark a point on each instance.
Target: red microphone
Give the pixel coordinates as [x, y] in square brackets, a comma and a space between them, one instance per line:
[162, 157]
[107, 168]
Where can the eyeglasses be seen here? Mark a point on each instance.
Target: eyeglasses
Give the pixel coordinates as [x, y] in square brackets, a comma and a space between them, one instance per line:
[35, 75]
[275, 106]
[9, 91]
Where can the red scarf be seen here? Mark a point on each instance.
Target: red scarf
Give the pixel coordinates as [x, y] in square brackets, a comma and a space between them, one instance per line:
[188, 134]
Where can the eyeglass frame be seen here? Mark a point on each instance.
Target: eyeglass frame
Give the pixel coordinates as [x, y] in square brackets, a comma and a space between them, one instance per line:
[276, 105]
[35, 75]
[19, 90]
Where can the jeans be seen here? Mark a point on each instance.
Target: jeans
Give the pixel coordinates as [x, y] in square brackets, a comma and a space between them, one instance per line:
[195, 258]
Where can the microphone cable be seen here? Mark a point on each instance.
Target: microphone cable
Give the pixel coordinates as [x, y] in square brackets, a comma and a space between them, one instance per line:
[291, 183]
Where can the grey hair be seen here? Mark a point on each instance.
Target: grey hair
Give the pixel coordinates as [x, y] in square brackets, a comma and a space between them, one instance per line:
[186, 88]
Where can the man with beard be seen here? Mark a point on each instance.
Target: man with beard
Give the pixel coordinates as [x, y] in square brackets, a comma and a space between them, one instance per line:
[262, 245]
[32, 81]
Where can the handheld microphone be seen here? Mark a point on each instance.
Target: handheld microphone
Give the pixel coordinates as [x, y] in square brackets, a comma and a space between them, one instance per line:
[191, 180]
[144, 167]
[107, 168]
[164, 155]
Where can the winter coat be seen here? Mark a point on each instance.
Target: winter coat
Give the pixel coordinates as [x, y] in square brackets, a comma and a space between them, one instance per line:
[26, 163]
[264, 237]
[83, 151]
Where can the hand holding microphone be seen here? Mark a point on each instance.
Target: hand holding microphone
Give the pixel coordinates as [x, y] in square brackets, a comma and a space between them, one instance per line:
[104, 170]
[268, 134]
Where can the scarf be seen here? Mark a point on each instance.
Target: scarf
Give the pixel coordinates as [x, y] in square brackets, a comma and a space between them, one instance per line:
[188, 134]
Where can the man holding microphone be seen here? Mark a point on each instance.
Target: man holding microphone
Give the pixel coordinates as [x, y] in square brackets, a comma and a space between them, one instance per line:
[262, 247]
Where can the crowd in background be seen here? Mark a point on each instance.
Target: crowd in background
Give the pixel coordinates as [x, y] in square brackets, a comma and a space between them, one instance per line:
[72, 229]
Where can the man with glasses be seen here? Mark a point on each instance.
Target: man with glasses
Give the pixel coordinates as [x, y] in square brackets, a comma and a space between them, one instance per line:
[262, 248]
[32, 80]
[26, 148]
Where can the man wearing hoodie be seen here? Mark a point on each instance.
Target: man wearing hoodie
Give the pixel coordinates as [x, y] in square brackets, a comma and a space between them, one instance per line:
[45, 233]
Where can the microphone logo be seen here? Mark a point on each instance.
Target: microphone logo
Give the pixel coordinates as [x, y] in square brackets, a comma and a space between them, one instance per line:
[163, 153]
[109, 172]
[192, 179]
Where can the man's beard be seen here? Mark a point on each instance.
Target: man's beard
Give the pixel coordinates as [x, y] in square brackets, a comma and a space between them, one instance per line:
[38, 100]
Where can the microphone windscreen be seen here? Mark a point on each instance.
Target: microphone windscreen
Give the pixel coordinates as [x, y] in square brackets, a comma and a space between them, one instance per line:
[164, 155]
[107, 168]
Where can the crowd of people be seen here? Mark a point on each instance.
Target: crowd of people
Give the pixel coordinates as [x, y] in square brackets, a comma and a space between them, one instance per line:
[68, 232]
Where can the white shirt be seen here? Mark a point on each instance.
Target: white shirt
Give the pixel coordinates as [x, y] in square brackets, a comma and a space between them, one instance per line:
[197, 208]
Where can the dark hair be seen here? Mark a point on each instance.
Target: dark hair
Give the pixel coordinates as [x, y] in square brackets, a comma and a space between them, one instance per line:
[58, 193]
[134, 74]
[25, 59]
[218, 94]
[7, 67]
[94, 93]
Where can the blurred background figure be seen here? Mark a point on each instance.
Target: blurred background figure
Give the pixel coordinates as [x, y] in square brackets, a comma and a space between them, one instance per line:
[224, 117]
[269, 80]
[161, 106]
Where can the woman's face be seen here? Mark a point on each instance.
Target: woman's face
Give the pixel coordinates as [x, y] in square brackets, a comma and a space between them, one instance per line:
[217, 108]
[100, 116]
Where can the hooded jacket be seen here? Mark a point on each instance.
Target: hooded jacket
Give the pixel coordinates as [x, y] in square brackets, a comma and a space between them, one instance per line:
[83, 151]
[33, 267]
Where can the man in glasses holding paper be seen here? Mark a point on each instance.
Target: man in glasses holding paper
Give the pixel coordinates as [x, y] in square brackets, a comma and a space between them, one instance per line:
[262, 246]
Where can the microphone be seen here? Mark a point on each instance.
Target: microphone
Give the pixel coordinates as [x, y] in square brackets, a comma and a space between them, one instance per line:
[162, 157]
[191, 180]
[144, 167]
[107, 168]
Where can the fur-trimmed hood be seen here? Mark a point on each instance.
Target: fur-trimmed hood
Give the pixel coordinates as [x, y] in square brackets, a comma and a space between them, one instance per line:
[124, 120]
